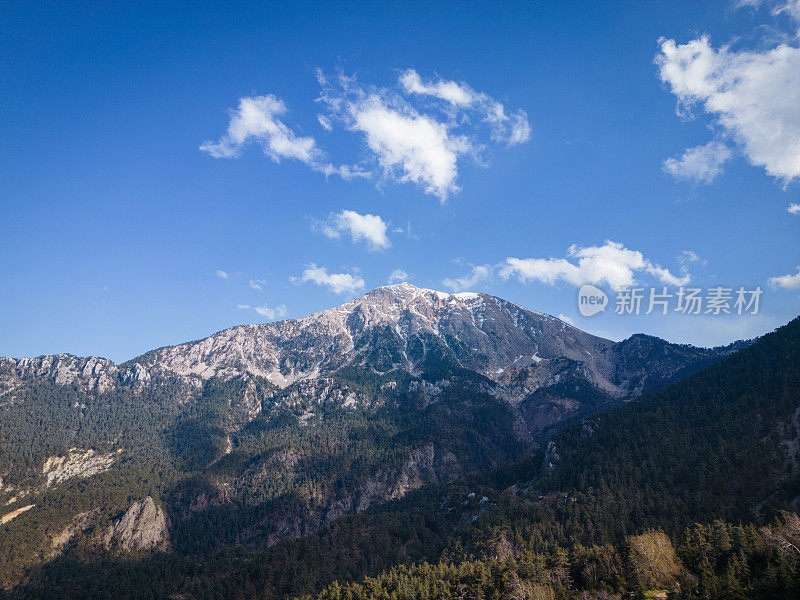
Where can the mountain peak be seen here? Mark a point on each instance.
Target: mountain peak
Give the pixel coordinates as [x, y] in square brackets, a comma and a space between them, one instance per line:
[406, 289]
[399, 326]
[404, 294]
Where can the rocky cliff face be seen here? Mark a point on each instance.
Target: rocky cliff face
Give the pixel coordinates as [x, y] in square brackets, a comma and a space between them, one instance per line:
[90, 374]
[144, 526]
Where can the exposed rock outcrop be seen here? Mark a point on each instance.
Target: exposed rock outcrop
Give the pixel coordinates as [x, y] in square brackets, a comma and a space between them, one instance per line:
[405, 327]
[14, 514]
[78, 463]
[136, 376]
[397, 326]
[89, 374]
[144, 526]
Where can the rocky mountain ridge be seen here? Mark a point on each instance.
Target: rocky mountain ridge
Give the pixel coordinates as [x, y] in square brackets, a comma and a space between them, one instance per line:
[394, 327]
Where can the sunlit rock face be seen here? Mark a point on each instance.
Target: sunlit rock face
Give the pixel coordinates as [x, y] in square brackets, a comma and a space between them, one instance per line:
[144, 526]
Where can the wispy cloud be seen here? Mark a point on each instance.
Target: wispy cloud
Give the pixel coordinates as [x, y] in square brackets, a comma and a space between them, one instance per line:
[566, 319]
[690, 256]
[701, 164]
[415, 132]
[408, 146]
[338, 283]
[611, 263]
[794, 209]
[477, 274]
[258, 120]
[412, 141]
[223, 274]
[398, 276]
[272, 313]
[408, 231]
[257, 284]
[509, 128]
[369, 228]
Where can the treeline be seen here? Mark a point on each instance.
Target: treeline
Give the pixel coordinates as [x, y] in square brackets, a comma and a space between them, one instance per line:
[717, 561]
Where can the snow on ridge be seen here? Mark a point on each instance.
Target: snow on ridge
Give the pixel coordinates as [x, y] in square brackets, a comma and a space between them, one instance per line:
[258, 349]
[467, 295]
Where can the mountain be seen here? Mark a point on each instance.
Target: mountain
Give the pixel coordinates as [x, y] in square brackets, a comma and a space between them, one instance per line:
[577, 519]
[259, 435]
[413, 329]
[548, 368]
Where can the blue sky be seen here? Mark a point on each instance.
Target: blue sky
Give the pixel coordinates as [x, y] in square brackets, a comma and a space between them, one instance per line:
[670, 129]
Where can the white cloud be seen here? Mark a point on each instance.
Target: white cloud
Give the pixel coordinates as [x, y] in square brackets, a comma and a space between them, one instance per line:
[277, 312]
[794, 208]
[699, 164]
[477, 274]
[459, 94]
[398, 276]
[611, 263]
[512, 129]
[410, 138]
[407, 230]
[777, 7]
[257, 120]
[337, 282]
[257, 284]
[346, 172]
[411, 147]
[690, 256]
[789, 7]
[242, 306]
[325, 122]
[753, 95]
[787, 282]
[793, 8]
[566, 319]
[412, 142]
[223, 274]
[370, 228]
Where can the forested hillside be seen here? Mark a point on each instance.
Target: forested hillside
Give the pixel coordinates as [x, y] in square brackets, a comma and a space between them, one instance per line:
[126, 482]
[684, 491]
[586, 518]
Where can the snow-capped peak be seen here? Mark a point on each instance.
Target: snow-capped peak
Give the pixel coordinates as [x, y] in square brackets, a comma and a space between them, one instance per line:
[390, 327]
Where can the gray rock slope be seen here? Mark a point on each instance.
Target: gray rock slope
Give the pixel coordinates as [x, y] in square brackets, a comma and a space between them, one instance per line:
[394, 327]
